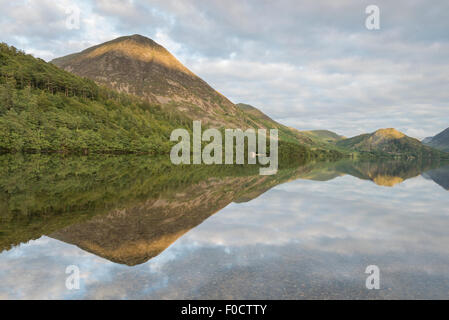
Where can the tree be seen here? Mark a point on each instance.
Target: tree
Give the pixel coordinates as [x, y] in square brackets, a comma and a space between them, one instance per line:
[42, 102]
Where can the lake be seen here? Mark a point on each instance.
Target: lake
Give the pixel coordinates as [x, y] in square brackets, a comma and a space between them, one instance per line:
[141, 228]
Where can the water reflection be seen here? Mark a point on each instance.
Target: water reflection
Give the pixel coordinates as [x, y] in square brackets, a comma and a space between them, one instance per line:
[439, 175]
[303, 239]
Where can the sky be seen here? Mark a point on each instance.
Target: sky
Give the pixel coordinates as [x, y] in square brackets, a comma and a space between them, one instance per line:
[307, 64]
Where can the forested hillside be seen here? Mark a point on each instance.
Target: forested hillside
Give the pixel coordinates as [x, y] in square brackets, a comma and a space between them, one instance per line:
[46, 109]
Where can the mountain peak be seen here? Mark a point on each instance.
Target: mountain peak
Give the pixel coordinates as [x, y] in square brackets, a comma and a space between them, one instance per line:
[135, 47]
[136, 39]
[139, 38]
[389, 133]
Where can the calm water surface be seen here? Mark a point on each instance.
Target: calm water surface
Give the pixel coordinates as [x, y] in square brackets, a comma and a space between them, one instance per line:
[139, 230]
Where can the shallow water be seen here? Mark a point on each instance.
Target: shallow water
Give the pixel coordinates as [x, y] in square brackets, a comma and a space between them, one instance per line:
[139, 231]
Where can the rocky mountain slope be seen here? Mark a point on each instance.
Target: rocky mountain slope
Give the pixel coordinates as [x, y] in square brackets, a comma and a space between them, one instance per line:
[137, 65]
[440, 141]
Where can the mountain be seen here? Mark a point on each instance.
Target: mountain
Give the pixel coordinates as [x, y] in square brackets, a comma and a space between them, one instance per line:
[426, 140]
[440, 141]
[139, 66]
[389, 142]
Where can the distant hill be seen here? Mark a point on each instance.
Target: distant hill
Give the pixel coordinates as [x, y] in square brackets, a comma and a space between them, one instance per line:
[324, 139]
[440, 141]
[388, 142]
[324, 135]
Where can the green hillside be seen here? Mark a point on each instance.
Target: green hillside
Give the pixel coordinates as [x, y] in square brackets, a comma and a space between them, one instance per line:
[324, 136]
[45, 109]
[250, 110]
[325, 139]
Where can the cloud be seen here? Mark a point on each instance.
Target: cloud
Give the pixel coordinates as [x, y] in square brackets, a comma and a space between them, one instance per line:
[313, 65]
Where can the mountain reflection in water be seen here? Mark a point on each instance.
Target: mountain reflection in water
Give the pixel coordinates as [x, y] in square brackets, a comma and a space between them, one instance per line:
[129, 209]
